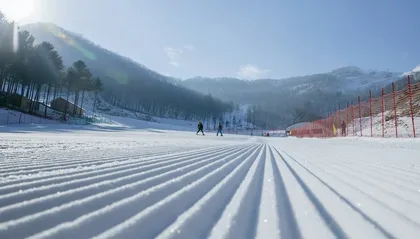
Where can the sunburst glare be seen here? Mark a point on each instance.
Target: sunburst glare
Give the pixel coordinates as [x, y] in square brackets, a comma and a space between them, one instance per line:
[16, 10]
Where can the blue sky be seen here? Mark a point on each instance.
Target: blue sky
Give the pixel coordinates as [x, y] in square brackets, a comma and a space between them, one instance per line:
[247, 39]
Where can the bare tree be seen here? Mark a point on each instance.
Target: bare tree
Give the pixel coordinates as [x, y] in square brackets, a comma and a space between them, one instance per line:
[298, 115]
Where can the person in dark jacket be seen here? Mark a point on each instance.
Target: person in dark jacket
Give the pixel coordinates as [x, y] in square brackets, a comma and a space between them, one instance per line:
[343, 129]
[219, 130]
[200, 127]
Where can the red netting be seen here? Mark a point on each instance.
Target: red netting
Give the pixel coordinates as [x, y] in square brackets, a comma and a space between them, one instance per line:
[395, 114]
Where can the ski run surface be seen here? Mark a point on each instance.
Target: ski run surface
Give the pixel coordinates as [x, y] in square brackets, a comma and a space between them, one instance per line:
[99, 183]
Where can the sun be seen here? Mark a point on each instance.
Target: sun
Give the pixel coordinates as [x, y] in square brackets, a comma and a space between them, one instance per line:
[16, 10]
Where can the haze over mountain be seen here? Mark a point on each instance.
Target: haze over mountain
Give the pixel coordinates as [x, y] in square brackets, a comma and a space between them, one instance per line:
[285, 99]
[347, 79]
[273, 102]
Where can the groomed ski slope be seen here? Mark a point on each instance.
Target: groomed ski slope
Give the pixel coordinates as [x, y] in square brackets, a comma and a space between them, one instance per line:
[98, 183]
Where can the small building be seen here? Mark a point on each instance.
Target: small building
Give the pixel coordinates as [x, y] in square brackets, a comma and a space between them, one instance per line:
[61, 104]
[290, 130]
[19, 101]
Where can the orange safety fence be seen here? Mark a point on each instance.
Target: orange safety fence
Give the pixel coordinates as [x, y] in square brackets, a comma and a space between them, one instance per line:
[396, 114]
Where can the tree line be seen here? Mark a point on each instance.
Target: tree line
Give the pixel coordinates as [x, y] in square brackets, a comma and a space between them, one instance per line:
[164, 99]
[30, 69]
[129, 85]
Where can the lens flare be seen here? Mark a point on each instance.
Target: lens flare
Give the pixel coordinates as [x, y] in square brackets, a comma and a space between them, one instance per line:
[16, 10]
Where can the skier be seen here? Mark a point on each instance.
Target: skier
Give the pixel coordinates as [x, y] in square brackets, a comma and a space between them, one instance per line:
[220, 130]
[200, 127]
[343, 128]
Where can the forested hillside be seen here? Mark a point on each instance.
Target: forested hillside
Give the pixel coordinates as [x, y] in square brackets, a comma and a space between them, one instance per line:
[28, 69]
[128, 84]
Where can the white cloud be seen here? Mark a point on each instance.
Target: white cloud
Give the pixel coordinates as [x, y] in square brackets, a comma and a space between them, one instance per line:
[174, 54]
[174, 63]
[189, 47]
[251, 72]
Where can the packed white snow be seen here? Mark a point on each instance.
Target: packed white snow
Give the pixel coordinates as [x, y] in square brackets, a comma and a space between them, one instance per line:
[144, 182]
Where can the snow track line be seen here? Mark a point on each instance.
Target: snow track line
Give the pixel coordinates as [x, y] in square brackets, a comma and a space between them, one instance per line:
[288, 224]
[382, 174]
[384, 232]
[16, 172]
[388, 167]
[77, 172]
[127, 187]
[134, 184]
[90, 224]
[17, 210]
[73, 157]
[113, 168]
[232, 208]
[214, 203]
[325, 215]
[246, 219]
[308, 219]
[102, 179]
[374, 177]
[370, 170]
[380, 165]
[367, 192]
[64, 160]
[385, 163]
[367, 179]
[69, 158]
[199, 196]
[268, 218]
[112, 201]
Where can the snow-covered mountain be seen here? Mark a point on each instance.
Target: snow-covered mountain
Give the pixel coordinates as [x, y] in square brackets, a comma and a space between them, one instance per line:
[417, 69]
[415, 73]
[345, 79]
[318, 93]
[354, 78]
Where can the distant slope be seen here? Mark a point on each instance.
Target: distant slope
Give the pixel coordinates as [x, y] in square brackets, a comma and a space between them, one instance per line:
[346, 79]
[128, 84]
[315, 94]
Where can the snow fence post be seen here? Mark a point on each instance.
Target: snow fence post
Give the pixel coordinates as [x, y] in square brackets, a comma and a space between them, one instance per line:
[328, 123]
[352, 116]
[339, 119]
[336, 114]
[331, 122]
[383, 109]
[395, 110]
[411, 105]
[309, 130]
[370, 112]
[347, 118]
[325, 127]
[312, 129]
[360, 117]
